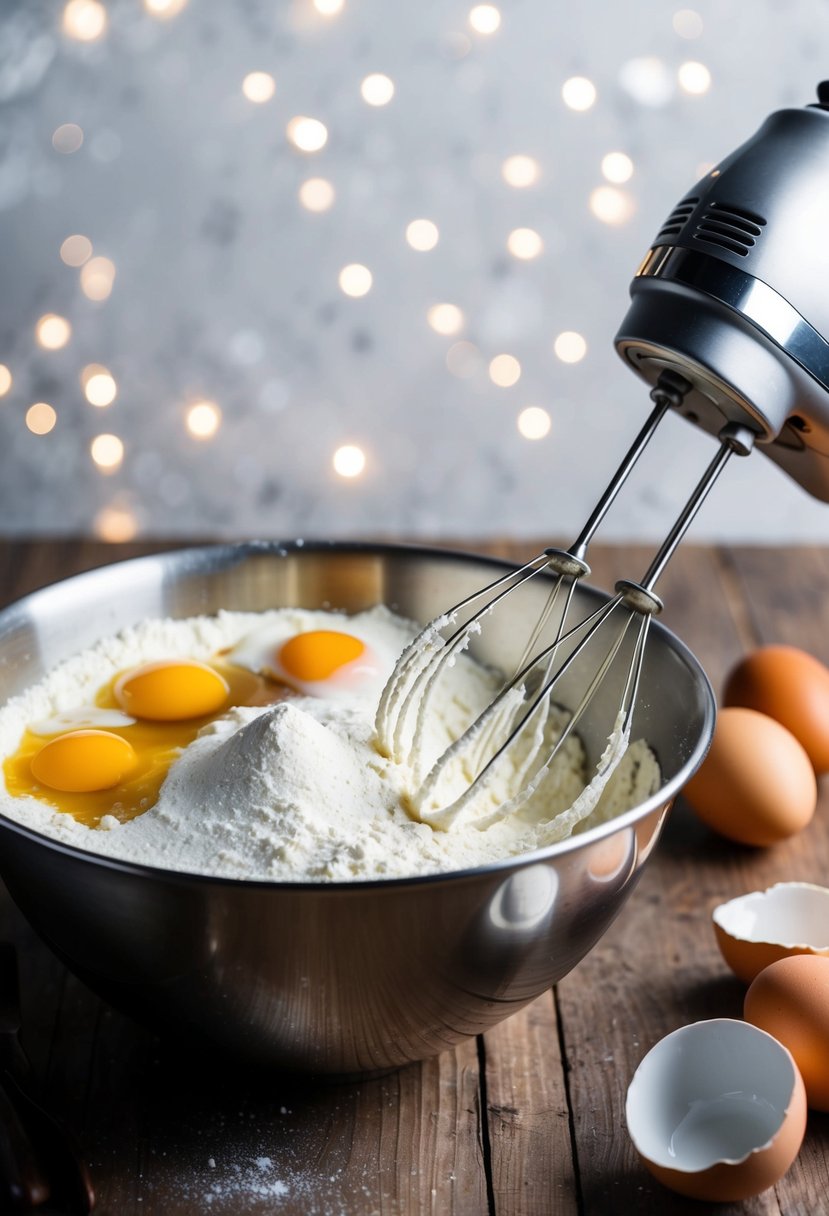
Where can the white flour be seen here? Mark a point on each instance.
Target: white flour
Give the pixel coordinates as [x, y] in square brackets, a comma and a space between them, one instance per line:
[297, 791]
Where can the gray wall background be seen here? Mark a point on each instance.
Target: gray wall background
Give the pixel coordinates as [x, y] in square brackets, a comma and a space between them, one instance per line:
[226, 287]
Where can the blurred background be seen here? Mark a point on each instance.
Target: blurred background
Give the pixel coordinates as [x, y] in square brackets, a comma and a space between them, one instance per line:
[353, 268]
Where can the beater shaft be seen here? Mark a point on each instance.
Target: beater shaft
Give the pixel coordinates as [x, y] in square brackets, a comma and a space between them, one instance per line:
[522, 709]
[734, 440]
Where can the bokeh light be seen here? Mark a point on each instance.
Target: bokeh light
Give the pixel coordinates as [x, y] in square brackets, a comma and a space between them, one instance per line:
[5, 380]
[484, 18]
[612, 205]
[116, 524]
[694, 78]
[422, 235]
[463, 360]
[570, 346]
[76, 250]
[533, 422]
[445, 319]
[53, 332]
[647, 80]
[164, 9]
[317, 194]
[377, 89]
[307, 134]
[97, 278]
[355, 280]
[329, 8]
[525, 244]
[504, 370]
[520, 171]
[84, 20]
[99, 385]
[107, 451]
[259, 87]
[41, 418]
[578, 93]
[203, 419]
[687, 23]
[67, 138]
[349, 460]
[617, 167]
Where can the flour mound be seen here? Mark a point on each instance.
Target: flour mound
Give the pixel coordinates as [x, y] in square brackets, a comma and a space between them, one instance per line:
[275, 791]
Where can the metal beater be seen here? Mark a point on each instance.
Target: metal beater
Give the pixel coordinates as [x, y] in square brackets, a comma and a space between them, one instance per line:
[524, 702]
[715, 327]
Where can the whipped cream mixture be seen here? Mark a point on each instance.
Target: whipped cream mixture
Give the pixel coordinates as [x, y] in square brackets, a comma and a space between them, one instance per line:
[298, 790]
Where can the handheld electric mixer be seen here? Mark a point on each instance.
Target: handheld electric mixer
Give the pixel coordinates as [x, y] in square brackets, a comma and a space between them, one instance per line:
[727, 322]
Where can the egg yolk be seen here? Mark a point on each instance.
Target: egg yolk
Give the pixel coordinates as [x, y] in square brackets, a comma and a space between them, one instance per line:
[170, 691]
[83, 761]
[77, 778]
[318, 654]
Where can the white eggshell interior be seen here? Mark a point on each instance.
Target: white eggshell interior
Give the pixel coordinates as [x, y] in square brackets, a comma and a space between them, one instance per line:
[711, 1092]
[787, 914]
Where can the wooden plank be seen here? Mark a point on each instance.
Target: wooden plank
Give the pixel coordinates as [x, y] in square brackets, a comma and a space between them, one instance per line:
[528, 1115]
[191, 1138]
[786, 593]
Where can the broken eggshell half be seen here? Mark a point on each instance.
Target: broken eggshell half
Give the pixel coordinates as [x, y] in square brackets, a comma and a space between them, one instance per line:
[757, 929]
[717, 1110]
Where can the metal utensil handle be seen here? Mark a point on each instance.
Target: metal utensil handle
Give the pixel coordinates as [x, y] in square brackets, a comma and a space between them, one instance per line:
[579, 549]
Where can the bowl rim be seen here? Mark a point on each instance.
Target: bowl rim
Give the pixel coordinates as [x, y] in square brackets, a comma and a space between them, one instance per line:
[226, 554]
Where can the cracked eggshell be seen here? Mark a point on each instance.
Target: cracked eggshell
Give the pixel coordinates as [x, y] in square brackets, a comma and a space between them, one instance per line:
[717, 1110]
[757, 929]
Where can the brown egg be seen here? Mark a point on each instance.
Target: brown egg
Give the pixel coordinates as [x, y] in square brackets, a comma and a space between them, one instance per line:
[791, 686]
[756, 785]
[790, 1000]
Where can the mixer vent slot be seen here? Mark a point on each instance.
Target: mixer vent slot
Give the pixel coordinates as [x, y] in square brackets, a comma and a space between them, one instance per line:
[731, 228]
[676, 220]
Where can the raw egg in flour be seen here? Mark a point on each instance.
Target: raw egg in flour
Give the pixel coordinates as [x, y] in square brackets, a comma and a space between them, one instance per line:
[96, 760]
[319, 662]
[83, 761]
[171, 690]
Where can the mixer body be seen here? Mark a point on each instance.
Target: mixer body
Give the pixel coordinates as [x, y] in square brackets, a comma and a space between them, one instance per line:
[732, 299]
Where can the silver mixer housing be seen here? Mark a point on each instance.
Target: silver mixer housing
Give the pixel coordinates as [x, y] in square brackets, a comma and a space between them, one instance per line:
[731, 302]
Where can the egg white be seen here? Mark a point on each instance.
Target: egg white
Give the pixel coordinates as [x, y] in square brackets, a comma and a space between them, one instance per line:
[364, 676]
[85, 717]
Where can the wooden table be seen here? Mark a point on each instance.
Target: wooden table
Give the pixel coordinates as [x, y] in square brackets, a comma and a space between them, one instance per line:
[527, 1119]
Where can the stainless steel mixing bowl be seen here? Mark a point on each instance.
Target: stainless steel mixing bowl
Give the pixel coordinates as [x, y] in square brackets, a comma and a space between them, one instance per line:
[332, 977]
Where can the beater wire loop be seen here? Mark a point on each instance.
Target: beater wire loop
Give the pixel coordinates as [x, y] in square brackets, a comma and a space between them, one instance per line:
[501, 758]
